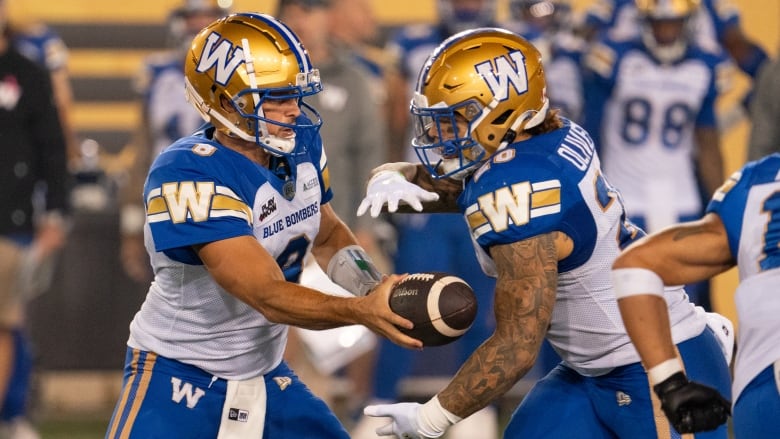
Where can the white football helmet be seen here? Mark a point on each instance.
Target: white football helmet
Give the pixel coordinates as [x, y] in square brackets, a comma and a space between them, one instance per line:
[241, 61]
[489, 79]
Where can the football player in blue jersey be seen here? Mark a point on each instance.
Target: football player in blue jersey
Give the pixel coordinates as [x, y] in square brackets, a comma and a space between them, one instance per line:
[231, 211]
[165, 116]
[717, 27]
[740, 228]
[650, 105]
[549, 26]
[546, 222]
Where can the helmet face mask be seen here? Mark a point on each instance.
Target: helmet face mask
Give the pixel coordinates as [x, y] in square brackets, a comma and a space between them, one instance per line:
[477, 90]
[242, 62]
[666, 27]
[443, 137]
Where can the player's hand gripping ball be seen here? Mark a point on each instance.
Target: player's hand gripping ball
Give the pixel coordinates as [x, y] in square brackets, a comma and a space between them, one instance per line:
[441, 306]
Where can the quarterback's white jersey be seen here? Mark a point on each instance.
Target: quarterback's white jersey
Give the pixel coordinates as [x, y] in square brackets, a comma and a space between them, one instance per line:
[553, 182]
[644, 115]
[199, 191]
[749, 205]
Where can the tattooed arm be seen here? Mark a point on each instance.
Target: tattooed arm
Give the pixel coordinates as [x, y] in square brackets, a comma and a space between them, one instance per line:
[524, 299]
[681, 254]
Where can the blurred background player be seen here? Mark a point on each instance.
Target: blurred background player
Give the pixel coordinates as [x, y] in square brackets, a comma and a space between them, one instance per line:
[765, 112]
[355, 140]
[549, 25]
[41, 44]
[716, 26]
[430, 242]
[35, 181]
[741, 228]
[165, 116]
[650, 105]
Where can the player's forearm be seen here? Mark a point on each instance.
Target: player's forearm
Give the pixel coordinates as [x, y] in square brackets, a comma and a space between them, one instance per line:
[646, 319]
[489, 373]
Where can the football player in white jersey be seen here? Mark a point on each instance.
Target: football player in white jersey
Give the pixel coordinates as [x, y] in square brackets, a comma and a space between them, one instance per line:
[717, 27]
[546, 222]
[230, 213]
[741, 228]
[650, 105]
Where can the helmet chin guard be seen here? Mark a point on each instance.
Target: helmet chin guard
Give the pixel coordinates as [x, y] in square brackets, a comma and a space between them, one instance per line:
[238, 63]
[475, 93]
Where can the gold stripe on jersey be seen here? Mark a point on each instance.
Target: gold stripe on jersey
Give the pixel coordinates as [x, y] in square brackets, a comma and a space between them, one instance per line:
[140, 393]
[516, 205]
[199, 201]
[326, 178]
[231, 207]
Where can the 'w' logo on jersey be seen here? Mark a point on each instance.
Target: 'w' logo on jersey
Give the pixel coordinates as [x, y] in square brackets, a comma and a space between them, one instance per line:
[188, 198]
[505, 71]
[185, 391]
[221, 58]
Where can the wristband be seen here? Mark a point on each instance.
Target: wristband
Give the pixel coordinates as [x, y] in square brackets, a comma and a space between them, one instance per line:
[352, 269]
[660, 372]
[433, 419]
[636, 281]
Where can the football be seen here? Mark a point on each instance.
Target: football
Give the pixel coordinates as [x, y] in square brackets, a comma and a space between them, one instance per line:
[441, 306]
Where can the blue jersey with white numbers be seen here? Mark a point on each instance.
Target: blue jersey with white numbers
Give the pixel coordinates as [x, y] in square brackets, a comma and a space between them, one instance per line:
[199, 191]
[553, 182]
[749, 206]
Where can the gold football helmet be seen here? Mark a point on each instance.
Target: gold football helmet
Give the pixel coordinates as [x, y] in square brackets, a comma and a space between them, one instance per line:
[242, 60]
[476, 91]
[666, 26]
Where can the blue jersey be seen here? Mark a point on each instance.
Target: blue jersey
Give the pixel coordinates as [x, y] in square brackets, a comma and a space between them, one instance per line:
[749, 205]
[553, 182]
[168, 115]
[199, 191]
[643, 115]
[42, 45]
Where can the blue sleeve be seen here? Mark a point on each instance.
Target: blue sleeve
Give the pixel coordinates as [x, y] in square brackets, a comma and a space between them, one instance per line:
[194, 199]
[598, 79]
[728, 203]
[533, 195]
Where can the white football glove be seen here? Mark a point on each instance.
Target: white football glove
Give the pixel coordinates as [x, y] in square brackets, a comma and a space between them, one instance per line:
[390, 187]
[410, 420]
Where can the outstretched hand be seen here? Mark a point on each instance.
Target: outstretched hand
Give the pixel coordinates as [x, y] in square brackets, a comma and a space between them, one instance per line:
[390, 187]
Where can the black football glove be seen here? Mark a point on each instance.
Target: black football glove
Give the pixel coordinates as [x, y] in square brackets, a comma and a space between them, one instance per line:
[690, 406]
